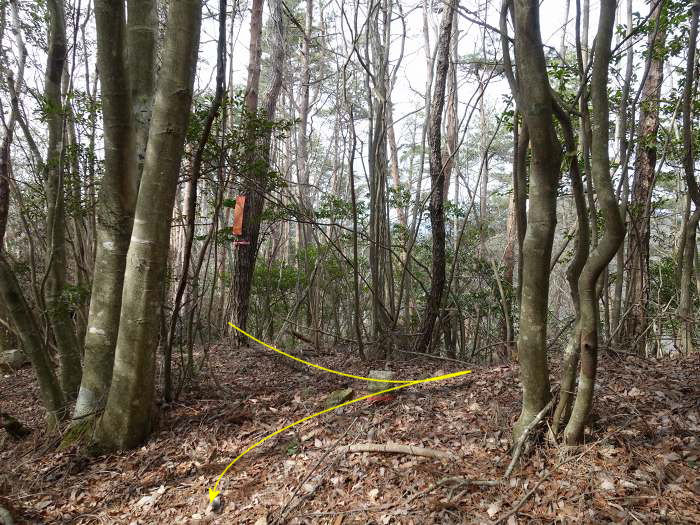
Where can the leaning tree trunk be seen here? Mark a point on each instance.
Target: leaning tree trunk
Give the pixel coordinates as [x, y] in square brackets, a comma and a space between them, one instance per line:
[57, 308]
[570, 357]
[635, 324]
[17, 310]
[126, 101]
[535, 102]
[685, 306]
[127, 418]
[437, 197]
[14, 305]
[614, 227]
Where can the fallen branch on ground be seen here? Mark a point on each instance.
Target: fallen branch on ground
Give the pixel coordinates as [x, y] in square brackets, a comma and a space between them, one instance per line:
[395, 448]
[288, 507]
[518, 448]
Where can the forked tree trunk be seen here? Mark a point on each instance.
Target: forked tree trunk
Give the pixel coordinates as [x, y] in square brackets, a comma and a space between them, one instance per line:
[127, 418]
[570, 357]
[125, 84]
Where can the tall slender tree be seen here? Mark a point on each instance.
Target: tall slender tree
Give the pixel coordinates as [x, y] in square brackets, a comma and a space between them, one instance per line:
[687, 267]
[56, 304]
[437, 179]
[537, 105]
[637, 297]
[614, 228]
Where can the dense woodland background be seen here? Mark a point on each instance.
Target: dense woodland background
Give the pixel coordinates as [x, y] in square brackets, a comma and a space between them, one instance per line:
[477, 183]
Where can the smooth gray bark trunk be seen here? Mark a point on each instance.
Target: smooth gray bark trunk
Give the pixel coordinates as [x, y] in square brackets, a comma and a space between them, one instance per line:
[127, 418]
[535, 102]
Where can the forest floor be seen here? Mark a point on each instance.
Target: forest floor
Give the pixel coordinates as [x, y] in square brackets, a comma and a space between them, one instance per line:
[640, 463]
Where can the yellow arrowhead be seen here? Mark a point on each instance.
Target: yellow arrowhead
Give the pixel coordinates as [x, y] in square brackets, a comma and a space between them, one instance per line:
[213, 494]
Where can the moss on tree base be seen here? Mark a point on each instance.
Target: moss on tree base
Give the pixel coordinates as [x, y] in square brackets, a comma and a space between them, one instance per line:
[78, 433]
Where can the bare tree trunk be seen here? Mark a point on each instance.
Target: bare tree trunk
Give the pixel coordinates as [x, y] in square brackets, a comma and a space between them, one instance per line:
[635, 324]
[437, 198]
[125, 127]
[570, 358]
[616, 312]
[377, 168]
[57, 308]
[141, 41]
[686, 312]
[14, 304]
[535, 101]
[254, 182]
[127, 418]
[614, 227]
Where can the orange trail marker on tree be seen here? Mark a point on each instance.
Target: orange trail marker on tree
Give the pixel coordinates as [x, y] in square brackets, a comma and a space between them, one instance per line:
[238, 215]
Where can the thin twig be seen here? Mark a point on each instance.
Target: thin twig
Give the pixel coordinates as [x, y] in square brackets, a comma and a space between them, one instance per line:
[517, 450]
[285, 509]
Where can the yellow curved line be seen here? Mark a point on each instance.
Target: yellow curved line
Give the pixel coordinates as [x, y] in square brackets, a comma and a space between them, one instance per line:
[317, 366]
[214, 492]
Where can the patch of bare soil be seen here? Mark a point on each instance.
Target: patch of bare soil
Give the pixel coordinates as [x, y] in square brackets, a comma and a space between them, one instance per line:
[639, 464]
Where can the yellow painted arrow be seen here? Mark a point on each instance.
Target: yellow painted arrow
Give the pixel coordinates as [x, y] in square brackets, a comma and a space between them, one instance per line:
[213, 492]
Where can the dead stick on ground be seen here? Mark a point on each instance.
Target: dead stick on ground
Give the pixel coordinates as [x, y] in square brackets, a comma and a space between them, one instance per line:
[544, 478]
[395, 448]
[458, 481]
[285, 509]
[560, 464]
[518, 448]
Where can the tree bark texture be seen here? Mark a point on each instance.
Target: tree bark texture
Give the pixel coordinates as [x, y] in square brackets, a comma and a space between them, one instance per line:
[56, 305]
[115, 204]
[639, 210]
[127, 418]
[253, 183]
[437, 174]
[614, 228]
[537, 106]
[686, 336]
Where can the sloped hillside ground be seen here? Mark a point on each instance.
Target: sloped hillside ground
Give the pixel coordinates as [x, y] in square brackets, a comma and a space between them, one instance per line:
[639, 465]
